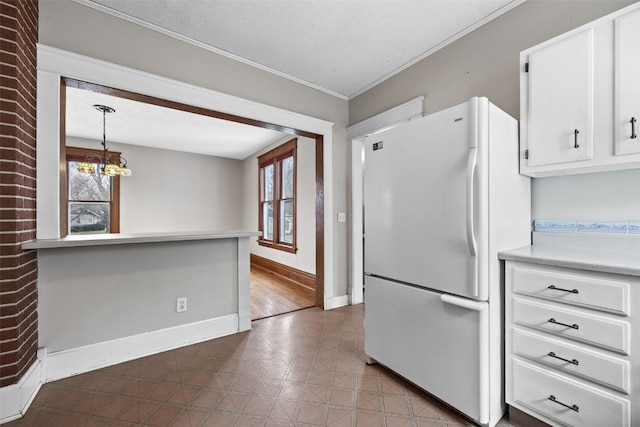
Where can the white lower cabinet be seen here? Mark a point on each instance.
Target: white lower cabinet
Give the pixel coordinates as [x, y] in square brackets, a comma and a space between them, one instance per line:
[569, 358]
[572, 347]
[565, 401]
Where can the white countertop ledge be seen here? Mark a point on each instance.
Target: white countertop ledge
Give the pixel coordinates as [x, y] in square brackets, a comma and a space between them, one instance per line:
[133, 238]
[606, 253]
[602, 260]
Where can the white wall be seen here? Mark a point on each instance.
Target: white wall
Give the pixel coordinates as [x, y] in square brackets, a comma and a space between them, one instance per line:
[172, 191]
[605, 196]
[305, 258]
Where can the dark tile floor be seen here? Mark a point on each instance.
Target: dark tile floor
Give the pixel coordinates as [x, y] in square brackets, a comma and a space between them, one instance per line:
[299, 369]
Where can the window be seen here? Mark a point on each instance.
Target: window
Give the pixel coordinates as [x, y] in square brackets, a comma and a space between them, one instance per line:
[93, 199]
[277, 197]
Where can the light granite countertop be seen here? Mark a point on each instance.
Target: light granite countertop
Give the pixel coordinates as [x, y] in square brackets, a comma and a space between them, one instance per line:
[608, 253]
[123, 239]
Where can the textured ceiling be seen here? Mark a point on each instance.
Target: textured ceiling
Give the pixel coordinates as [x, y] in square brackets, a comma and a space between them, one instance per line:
[341, 47]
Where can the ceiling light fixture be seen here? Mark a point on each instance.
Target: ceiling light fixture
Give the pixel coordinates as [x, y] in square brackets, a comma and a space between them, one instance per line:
[109, 165]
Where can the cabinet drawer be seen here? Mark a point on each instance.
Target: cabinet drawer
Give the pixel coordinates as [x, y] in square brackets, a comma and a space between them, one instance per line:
[596, 330]
[586, 406]
[606, 370]
[599, 294]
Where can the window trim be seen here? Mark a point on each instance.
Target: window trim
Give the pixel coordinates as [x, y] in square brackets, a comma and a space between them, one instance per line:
[76, 154]
[274, 157]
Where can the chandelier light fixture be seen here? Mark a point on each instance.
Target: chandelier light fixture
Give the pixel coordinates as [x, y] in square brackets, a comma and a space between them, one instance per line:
[109, 165]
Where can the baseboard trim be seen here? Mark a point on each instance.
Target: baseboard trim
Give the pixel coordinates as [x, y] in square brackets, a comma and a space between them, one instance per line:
[16, 398]
[299, 276]
[244, 320]
[66, 363]
[519, 418]
[335, 302]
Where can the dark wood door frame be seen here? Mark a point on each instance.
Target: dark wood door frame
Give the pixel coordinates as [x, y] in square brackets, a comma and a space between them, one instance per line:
[319, 141]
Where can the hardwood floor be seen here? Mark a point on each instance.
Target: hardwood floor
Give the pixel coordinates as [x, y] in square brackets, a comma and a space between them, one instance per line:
[272, 294]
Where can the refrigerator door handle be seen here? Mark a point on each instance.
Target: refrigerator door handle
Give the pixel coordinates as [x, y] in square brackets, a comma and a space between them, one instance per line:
[471, 173]
[463, 302]
[472, 162]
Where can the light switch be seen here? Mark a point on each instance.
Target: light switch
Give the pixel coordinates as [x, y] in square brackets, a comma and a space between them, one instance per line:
[342, 217]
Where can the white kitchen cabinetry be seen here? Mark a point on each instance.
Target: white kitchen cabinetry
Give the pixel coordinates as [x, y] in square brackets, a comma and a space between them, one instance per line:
[578, 95]
[627, 66]
[561, 101]
[572, 348]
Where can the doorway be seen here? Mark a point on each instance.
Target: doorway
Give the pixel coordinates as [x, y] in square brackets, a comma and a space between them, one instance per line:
[273, 294]
[317, 296]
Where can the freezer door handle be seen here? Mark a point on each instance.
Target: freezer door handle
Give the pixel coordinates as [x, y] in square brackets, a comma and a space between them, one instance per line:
[472, 162]
[463, 302]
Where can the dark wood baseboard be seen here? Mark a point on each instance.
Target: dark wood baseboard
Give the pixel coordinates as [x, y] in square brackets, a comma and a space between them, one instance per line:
[299, 276]
[521, 419]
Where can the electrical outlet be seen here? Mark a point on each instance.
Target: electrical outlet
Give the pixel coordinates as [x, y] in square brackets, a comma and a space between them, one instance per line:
[342, 217]
[181, 304]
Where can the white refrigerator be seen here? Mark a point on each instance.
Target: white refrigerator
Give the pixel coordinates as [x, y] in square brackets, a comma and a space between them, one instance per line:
[442, 196]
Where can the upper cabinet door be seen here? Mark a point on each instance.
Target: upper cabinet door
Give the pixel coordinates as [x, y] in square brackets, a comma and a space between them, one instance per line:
[580, 99]
[627, 56]
[560, 95]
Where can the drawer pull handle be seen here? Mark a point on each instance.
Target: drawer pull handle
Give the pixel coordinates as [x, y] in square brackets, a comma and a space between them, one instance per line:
[552, 354]
[633, 128]
[573, 291]
[572, 407]
[574, 326]
[575, 138]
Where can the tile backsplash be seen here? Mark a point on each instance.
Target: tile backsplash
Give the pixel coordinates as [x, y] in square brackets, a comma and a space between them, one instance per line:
[568, 226]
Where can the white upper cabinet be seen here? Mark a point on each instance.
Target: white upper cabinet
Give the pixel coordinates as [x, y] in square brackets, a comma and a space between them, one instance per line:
[579, 94]
[627, 56]
[561, 101]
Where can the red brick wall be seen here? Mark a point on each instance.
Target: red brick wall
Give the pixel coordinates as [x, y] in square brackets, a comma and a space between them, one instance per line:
[18, 269]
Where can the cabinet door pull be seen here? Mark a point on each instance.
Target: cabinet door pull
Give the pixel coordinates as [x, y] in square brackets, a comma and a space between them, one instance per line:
[552, 320]
[573, 291]
[633, 128]
[572, 407]
[573, 361]
[575, 138]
